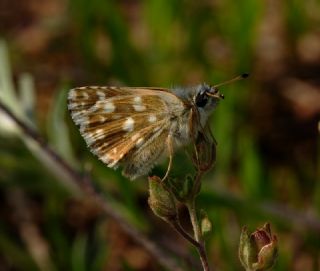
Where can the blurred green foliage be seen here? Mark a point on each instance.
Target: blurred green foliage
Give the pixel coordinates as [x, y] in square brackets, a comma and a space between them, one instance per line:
[164, 43]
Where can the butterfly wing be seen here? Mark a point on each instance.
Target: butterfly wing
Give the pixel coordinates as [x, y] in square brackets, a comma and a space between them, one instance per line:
[124, 125]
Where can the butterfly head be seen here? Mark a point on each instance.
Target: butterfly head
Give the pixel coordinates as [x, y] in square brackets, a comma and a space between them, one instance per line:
[207, 97]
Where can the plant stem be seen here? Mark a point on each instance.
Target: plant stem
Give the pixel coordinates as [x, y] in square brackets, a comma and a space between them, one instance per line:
[177, 226]
[197, 234]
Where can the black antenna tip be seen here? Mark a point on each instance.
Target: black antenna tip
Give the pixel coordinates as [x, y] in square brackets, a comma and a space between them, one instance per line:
[245, 75]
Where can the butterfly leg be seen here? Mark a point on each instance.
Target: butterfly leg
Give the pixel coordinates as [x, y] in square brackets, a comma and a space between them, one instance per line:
[170, 150]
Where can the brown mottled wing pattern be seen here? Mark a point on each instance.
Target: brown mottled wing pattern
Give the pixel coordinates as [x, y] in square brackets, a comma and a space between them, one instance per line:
[123, 125]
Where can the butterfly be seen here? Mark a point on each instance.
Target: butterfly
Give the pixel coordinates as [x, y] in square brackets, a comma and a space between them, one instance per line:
[135, 126]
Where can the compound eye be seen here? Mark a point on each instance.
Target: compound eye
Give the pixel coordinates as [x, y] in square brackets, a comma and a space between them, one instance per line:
[213, 90]
[201, 99]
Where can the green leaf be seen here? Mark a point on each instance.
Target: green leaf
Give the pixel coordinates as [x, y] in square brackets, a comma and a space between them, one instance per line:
[58, 131]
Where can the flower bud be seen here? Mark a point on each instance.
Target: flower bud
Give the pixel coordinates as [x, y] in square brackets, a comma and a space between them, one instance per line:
[205, 155]
[206, 225]
[161, 201]
[258, 250]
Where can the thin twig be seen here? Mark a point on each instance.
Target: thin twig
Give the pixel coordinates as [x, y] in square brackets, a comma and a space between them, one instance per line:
[198, 242]
[198, 235]
[82, 182]
[200, 247]
[177, 226]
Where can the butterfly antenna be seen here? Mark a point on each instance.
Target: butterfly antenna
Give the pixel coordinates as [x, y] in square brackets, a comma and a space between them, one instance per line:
[237, 78]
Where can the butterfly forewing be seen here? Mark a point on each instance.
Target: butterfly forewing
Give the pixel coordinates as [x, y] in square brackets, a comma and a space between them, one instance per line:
[117, 123]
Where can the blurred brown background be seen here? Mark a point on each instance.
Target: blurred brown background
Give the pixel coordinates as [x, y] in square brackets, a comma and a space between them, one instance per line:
[267, 128]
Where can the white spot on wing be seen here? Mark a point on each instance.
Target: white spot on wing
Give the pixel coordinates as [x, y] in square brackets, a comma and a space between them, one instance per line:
[137, 104]
[101, 95]
[72, 106]
[109, 107]
[81, 120]
[105, 158]
[128, 125]
[72, 94]
[139, 107]
[137, 100]
[152, 118]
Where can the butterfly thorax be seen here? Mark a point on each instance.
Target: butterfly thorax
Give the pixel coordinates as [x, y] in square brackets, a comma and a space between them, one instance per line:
[198, 107]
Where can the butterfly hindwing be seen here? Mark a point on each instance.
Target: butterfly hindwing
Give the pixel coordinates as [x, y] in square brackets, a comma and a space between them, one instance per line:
[142, 159]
